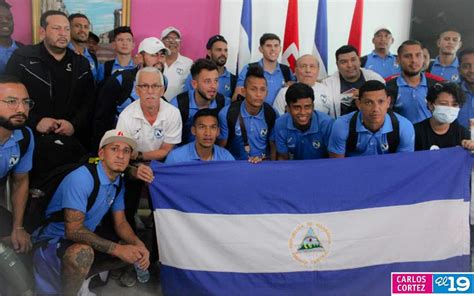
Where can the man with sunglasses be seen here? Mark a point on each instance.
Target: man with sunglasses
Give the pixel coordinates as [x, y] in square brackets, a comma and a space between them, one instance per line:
[16, 152]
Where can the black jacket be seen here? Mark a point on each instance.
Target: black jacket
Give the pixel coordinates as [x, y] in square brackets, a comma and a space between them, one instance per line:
[29, 64]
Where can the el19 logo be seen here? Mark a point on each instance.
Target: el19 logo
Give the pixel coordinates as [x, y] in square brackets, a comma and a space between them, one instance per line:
[453, 283]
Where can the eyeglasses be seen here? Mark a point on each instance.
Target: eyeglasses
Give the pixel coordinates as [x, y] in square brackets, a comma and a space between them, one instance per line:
[153, 87]
[169, 39]
[13, 103]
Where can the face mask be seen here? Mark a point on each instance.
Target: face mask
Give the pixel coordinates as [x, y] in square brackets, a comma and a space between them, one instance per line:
[445, 114]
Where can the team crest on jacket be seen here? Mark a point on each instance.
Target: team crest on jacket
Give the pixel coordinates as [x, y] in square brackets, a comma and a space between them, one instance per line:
[316, 144]
[324, 98]
[158, 133]
[13, 160]
[263, 132]
[309, 243]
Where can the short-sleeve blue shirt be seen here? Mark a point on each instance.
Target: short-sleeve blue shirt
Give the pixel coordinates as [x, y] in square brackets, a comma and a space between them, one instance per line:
[224, 86]
[275, 81]
[385, 66]
[116, 66]
[193, 108]
[5, 54]
[188, 153]
[257, 133]
[467, 110]
[411, 102]
[10, 154]
[369, 143]
[73, 193]
[449, 72]
[310, 144]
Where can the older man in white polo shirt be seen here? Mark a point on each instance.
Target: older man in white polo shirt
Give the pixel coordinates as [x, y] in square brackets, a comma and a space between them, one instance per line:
[154, 124]
[177, 66]
[307, 72]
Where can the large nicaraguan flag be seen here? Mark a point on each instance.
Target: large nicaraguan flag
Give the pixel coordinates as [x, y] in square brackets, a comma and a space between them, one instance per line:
[320, 49]
[291, 41]
[245, 41]
[321, 227]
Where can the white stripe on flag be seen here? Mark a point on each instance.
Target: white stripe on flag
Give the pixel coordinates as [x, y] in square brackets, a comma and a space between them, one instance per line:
[323, 73]
[244, 55]
[428, 231]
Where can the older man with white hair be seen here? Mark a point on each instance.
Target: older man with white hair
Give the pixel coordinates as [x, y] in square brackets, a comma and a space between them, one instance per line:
[154, 123]
[307, 72]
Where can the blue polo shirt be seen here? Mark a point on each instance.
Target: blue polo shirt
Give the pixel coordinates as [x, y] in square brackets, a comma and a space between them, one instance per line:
[257, 133]
[310, 144]
[94, 69]
[116, 66]
[188, 153]
[369, 143]
[73, 192]
[449, 72]
[224, 87]
[385, 66]
[275, 81]
[10, 154]
[411, 102]
[467, 110]
[5, 54]
[193, 108]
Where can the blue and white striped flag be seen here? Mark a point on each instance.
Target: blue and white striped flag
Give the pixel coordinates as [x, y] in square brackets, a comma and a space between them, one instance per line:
[245, 41]
[320, 227]
[320, 48]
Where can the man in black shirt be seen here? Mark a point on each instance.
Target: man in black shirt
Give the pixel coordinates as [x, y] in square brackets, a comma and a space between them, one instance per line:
[442, 130]
[59, 80]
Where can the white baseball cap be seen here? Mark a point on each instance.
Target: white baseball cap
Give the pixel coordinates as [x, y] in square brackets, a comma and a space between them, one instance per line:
[116, 135]
[168, 30]
[152, 45]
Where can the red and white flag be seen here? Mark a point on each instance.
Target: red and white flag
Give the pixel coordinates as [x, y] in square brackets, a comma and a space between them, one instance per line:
[291, 39]
[355, 36]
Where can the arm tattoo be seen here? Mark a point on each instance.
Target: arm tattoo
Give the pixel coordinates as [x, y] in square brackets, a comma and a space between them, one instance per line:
[75, 231]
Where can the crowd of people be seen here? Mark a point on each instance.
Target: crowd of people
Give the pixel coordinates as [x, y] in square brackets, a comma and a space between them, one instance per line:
[59, 105]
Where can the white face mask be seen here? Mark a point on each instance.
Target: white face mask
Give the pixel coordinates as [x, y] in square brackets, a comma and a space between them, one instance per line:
[445, 114]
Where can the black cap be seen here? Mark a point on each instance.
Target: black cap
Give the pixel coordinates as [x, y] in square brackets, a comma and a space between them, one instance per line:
[94, 37]
[214, 39]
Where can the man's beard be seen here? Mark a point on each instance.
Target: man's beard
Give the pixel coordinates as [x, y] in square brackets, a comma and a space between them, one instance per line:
[411, 73]
[220, 63]
[77, 40]
[9, 125]
[203, 95]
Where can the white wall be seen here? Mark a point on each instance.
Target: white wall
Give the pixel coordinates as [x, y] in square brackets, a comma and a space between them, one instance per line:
[270, 16]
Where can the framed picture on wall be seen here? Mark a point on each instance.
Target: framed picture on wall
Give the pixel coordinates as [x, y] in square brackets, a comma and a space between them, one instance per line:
[104, 16]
